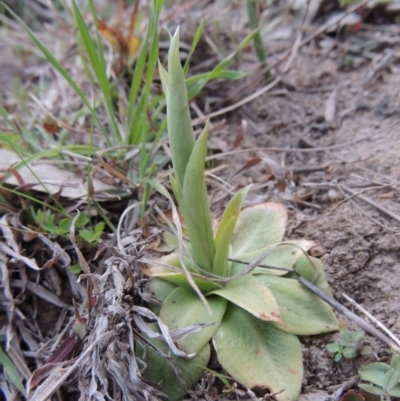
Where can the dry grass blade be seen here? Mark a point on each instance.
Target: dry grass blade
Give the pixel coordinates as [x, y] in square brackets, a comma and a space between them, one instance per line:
[164, 331]
[40, 292]
[31, 263]
[59, 374]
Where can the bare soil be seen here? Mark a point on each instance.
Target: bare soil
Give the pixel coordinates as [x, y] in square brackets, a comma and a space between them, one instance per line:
[359, 243]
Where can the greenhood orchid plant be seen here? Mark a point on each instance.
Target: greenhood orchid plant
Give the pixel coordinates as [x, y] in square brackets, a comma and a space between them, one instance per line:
[251, 314]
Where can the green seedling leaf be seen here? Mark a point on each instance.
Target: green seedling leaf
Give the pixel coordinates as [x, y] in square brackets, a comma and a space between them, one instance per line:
[338, 357]
[183, 308]
[391, 380]
[159, 370]
[180, 131]
[75, 269]
[395, 363]
[82, 220]
[358, 335]
[350, 352]
[225, 231]
[64, 226]
[251, 295]
[302, 312]
[347, 337]
[255, 353]
[333, 348]
[374, 372]
[369, 388]
[98, 229]
[196, 210]
[11, 371]
[257, 227]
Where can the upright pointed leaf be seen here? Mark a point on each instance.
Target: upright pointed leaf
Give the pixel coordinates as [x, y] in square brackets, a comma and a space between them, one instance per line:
[257, 354]
[196, 210]
[248, 293]
[302, 312]
[225, 231]
[257, 227]
[183, 308]
[180, 131]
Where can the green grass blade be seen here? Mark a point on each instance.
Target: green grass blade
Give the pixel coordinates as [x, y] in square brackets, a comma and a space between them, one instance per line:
[220, 68]
[195, 42]
[98, 65]
[257, 40]
[57, 65]
[11, 372]
[151, 56]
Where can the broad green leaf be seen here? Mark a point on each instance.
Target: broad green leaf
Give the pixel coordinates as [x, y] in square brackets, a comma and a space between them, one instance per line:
[374, 372]
[159, 370]
[196, 210]
[180, 131]
[395, 362]
[392, 378]
[255, 353]
[183, 308]
[251, 295]
[283, 255]
[225, 231]
[302, 312]
[369, 388]
[257, 227]
[312, 270]
[159, 289]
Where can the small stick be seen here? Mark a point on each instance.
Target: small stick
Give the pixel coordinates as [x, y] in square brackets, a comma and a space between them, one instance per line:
[372, 203]
[373, 319]
[349, 314]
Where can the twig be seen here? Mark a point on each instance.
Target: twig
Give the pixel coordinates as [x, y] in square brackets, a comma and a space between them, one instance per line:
[349, 314]
[372, 203]
[247, 99]
[305, 150]
[373, 319]
[361, 210]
